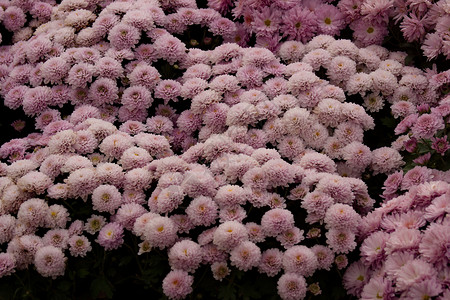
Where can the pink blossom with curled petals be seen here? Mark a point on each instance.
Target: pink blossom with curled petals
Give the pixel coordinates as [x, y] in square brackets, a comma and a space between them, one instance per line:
[177, 284]
[110, 236]
[291, 286]
[50, 261]
[185, 255]
[160, 231]
[7, 264]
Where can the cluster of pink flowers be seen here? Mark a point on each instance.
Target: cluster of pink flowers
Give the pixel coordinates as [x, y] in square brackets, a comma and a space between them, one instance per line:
[423, 129]
[273, 22]
[405, 248]
[119, 171]
[214, 166]
[83, 59]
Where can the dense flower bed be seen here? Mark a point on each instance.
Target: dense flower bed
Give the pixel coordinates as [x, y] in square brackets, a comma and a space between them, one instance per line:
[158, 148]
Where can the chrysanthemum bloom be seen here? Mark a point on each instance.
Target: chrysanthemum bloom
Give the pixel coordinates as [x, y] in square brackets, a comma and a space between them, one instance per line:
[384, 81]
[372, 249]
[137, 97]
[385, 160]
[79, 245]
[54, 70]
[245, 256]
[114, 145]
[230, 195]
[220, 270]
[50, 261]
[14, 18]
[279, 172]
[202, 211]
[199, 184]
[106, 198]
[110, 236]
[159, 125]
[317, 161]
[341, 261]
[355, 277]
[169, 48]
[403, 239]
[36, 99]
[108, 67]
[433, 244]
[168, 199]
[7, 264]
[290, 237]
[229, 234]
[33, 211]
[134, 157]
[300, 260]
[188, 122]
[160, 231]
[7, 224]
[128, 213]
[271, 262]
[185, 255]
[427, 288]
[94, 224]
[341, 240]
[416, 176]
[330, 20]
[414, 272]
[124, 36]
[427, 125]
[291, 286]
[177, 284]
[276, 221]
[34, 181]
[57, 216]
[342, 216]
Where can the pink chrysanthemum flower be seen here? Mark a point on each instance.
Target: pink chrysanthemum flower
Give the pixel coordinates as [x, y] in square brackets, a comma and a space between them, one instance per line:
[291, 286]
[185, 255]
[79, 245]
[202, 211]
[341, 216]
[355, 277]
[300, 260]
[229, 234]
[330, 19]
[341, 241]
[276, 221]
[245, 256]
[386, 160]
[7, 264]
[110, 236]
[123, 36]
[128, 213]
[160, 231]
[177, 284]
[299, 24]
[220, 270]
[106, 198]
[324, 255]
[271, 262]
[50, 261]
[427, 125]
[290, 237]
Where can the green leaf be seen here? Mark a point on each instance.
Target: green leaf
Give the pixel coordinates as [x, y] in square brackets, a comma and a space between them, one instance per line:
[101, 288]
[83, 273]
[64, 285]
[388, 122]
[125, 261]
[226, 293]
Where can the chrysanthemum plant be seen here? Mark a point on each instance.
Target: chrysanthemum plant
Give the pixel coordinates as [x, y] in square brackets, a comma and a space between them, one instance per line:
[169, 169]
